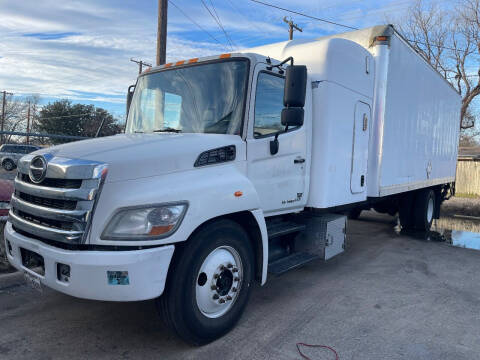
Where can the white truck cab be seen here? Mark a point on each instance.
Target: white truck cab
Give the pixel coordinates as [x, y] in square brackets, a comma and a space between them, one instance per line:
[234, 166]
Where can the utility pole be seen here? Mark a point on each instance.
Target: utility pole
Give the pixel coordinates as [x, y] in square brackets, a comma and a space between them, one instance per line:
[162, 31]
[28, 122]
[140, 64]
[291, 27]
[4, 104]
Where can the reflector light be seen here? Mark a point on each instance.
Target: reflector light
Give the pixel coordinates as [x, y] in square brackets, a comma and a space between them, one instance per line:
[159, 230]
[238, 193]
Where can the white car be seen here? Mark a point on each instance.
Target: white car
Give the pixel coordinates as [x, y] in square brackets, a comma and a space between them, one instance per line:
[11, 153]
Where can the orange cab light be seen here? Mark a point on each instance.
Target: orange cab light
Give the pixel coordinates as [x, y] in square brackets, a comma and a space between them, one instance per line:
[238, 193]
[224, 56]
[181, 62]
[167, 65]
[194, 60]
[382, 38]
[159, 230]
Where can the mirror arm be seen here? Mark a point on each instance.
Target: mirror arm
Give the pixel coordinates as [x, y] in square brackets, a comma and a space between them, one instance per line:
[279, 66]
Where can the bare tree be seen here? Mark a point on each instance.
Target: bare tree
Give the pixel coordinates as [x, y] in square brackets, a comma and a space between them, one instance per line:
[468, 83]
[16, 114]
[450, 42]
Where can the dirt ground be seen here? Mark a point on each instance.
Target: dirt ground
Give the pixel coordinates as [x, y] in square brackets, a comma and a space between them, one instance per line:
[461, 206]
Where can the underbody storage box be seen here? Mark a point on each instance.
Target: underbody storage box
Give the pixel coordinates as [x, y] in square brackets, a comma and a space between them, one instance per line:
[324, 235]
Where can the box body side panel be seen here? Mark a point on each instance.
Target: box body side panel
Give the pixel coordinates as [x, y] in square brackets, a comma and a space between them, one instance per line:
[421, 124]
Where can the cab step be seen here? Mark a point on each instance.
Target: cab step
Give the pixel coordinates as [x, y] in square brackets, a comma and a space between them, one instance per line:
[291, 262]
[281, 228]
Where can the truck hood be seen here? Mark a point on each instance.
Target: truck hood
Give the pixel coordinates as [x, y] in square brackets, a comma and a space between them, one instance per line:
[132, 156]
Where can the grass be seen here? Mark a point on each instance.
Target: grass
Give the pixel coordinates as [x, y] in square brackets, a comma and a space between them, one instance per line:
[467, 196]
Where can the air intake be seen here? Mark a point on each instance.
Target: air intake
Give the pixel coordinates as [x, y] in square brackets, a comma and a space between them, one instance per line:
[215, 156]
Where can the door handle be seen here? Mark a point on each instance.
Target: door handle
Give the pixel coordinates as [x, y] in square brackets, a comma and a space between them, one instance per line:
[299, 161]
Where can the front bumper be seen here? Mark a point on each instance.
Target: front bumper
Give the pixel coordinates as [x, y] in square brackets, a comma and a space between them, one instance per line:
[147, 269]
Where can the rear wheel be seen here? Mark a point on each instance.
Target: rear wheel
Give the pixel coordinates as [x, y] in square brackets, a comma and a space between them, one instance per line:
[424, 209]
[8, 165]
[405, 211]
[354, 214]
[209, 283]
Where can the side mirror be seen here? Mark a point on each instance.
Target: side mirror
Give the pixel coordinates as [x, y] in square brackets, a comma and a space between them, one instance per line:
[292, 116]
[130, 91]
[295, 86]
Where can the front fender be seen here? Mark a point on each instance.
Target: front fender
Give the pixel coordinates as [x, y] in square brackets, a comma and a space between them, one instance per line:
[210, 192]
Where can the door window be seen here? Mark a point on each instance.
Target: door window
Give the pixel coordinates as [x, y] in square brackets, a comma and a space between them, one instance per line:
[268, 105]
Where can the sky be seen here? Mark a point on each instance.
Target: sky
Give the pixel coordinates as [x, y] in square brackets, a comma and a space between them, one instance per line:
[81, 49]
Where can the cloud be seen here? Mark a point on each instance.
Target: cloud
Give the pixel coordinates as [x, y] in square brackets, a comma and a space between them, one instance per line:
[82, 49]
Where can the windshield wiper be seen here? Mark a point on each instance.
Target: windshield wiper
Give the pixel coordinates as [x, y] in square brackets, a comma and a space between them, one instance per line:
[168, 129]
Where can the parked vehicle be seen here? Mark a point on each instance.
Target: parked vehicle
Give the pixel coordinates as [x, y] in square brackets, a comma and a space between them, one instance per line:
[11, 153]
[6, 191]
[235, 166]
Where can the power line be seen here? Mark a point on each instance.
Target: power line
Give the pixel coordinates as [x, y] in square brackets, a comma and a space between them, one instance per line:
[218, 23]
[242, 15]
[436, 46]
[195, 23]
[214, 10]
[308, 16]
[347, 26]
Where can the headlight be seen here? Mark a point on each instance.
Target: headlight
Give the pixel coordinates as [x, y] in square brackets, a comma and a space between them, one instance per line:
[4, 205]
[146, 222]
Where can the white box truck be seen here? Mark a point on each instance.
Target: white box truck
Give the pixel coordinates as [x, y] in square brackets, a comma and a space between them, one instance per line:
[234, 166]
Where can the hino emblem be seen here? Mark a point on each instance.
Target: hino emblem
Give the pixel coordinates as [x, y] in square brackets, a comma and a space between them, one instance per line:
[38, 169]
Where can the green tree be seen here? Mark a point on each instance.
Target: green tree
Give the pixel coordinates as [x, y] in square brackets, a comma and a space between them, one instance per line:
[64, 118]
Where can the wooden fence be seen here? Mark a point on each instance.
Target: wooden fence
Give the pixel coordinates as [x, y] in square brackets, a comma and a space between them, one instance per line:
[468, 177]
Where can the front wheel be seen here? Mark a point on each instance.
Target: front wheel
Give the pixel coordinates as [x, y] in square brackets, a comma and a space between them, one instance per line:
[209, 283]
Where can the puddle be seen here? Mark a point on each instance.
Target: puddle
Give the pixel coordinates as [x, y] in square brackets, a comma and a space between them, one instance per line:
[458, 232]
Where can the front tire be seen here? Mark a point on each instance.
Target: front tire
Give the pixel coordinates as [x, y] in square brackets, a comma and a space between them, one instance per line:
[209, 284]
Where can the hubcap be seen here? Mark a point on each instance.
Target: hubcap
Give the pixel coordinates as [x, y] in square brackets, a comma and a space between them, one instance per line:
[430, 210]
[219, 281]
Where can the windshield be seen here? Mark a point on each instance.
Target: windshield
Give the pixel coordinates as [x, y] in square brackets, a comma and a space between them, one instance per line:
[204, 98]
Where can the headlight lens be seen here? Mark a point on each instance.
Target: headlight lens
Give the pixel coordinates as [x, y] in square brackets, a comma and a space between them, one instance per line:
[143, 223]
[4, 205]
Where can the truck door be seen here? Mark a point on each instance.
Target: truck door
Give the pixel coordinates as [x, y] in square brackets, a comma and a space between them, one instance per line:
[361, 129]
[279, 178]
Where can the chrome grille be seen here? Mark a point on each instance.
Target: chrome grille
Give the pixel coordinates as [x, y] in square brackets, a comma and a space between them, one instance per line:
[61, 206]
[58, 183]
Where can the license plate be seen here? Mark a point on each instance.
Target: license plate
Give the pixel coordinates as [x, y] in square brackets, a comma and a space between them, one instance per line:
[33, 281]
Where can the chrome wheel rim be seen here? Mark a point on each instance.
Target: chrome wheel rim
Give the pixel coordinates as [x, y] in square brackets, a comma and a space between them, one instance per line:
[430, 210]
[219, 281]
